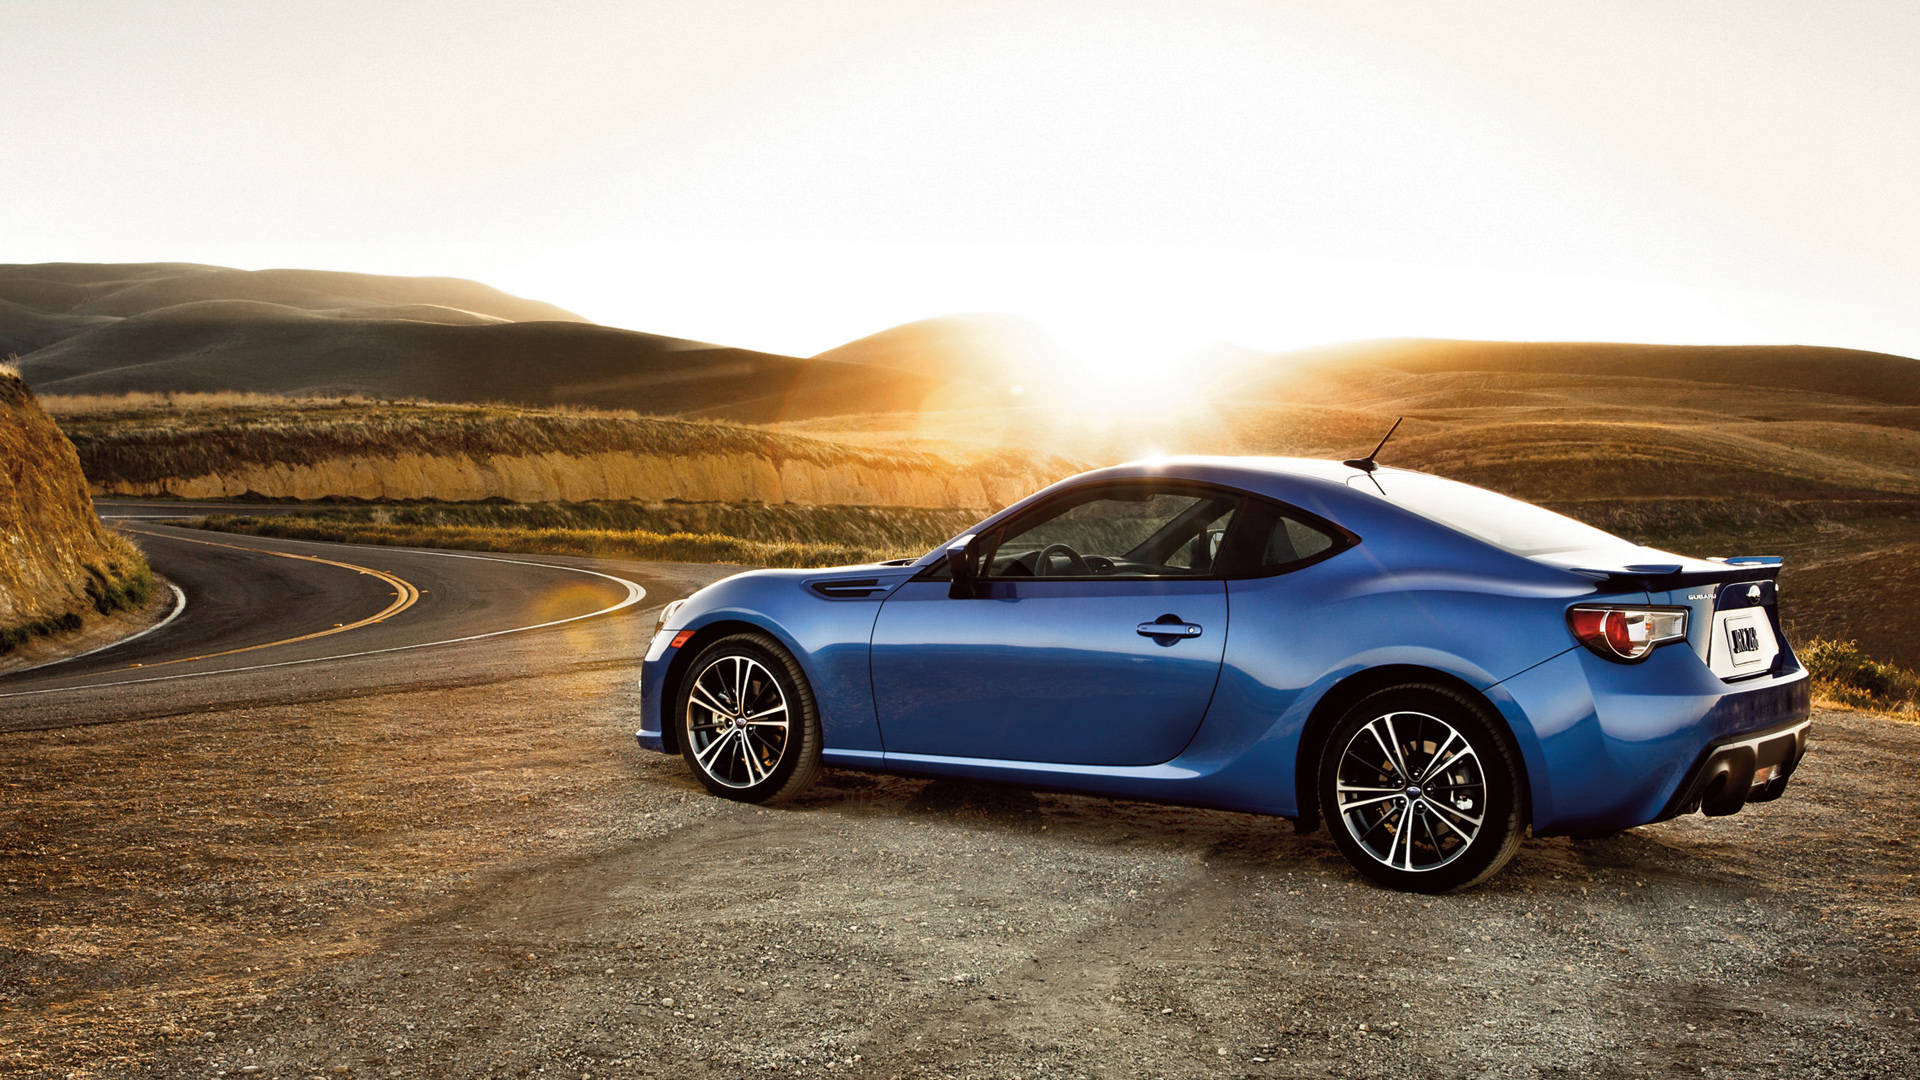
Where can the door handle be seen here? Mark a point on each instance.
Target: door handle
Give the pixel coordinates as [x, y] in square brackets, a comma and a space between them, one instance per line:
[1168, 626]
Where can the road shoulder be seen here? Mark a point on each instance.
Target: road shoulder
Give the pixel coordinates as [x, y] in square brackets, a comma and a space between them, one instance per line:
[97, 633]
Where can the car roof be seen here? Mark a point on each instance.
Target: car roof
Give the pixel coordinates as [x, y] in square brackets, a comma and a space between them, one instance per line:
[1235, 471]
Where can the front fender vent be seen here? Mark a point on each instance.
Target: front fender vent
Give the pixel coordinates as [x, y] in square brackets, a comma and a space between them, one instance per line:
[851, 588]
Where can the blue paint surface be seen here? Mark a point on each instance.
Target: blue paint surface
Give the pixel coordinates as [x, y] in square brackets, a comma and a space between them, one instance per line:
[1048, 682]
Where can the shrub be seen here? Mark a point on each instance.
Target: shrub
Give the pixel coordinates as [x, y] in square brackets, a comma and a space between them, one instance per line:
[1843, 673]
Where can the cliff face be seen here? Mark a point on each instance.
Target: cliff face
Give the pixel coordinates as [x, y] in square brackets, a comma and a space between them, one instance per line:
[703, 477]
[57, 563]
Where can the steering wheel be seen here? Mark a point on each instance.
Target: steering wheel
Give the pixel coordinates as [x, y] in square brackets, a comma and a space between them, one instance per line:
[1043, 562]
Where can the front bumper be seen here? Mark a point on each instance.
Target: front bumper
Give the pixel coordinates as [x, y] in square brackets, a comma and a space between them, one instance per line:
[1735, 772]
[653, 679]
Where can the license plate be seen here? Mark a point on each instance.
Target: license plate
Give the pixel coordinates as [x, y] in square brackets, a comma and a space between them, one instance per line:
[1743, 642]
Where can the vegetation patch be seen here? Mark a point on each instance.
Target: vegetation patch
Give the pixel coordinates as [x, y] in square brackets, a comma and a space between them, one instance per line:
[151, 438]
[613, 543]
[913, 529]
[120, 581]
[1842, 672]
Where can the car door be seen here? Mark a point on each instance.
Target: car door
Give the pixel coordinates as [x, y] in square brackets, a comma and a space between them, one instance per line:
[1095, 637]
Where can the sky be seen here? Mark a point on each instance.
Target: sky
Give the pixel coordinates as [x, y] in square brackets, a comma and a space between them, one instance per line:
[1138, 176]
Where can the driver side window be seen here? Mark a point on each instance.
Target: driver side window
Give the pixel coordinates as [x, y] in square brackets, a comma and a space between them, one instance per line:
[1122, 532]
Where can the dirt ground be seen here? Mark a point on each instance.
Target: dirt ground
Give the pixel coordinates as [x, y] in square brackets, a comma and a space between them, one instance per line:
[493, 881]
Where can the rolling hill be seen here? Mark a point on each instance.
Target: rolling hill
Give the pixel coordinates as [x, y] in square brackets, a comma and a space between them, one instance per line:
[162, 328]
[535, 364]
[122, 290]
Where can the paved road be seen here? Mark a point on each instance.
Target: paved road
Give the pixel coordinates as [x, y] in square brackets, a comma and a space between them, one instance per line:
[270, 621]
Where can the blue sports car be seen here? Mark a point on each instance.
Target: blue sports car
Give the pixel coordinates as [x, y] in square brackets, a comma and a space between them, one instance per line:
[1428, 667]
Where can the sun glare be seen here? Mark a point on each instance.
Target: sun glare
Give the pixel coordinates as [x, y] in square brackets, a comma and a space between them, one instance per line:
[1127, 366]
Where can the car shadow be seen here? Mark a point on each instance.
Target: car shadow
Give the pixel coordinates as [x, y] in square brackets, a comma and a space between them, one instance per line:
[1254, 844]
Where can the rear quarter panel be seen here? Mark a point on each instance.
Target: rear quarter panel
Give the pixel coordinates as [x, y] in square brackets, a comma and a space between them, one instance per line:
[1295, 637]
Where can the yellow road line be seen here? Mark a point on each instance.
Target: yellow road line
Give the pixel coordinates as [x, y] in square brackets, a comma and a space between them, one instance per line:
[405, 595]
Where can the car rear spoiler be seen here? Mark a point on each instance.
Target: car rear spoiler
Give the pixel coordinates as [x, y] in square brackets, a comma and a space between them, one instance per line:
[1659, 577]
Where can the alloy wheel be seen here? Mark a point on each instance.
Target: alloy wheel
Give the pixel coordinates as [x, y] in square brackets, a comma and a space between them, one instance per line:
[737, 721]
[1411, 792]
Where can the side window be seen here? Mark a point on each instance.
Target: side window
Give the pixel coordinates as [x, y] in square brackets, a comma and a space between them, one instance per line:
[1283, 540]
[1201, 553]
[1129, 531]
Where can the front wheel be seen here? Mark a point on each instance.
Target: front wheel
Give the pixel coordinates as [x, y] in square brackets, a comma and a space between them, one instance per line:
[1420, 791]
[748, 724]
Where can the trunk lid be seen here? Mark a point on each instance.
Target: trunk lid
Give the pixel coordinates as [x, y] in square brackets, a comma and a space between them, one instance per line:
[1733, 613]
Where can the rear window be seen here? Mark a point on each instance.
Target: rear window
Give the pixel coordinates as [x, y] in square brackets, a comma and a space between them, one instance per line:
[1519, 527]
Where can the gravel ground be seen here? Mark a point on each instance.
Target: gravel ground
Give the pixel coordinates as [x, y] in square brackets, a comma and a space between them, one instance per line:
[492, 880]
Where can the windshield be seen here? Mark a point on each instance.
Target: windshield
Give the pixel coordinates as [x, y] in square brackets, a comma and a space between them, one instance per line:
[1519, 527]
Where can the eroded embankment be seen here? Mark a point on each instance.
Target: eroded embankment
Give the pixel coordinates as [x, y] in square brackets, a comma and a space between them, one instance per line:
[580, 477]
[58, 564]
[407, 451]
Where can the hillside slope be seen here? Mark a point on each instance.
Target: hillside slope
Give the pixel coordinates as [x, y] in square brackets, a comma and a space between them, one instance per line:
[121, 290]
[1879, 377]
[956, 348]
[401, 451]
[57, 563]
[538, 364]
[166, 328]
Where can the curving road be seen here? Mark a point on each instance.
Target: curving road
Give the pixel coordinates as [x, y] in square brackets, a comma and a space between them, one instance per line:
[270, 621]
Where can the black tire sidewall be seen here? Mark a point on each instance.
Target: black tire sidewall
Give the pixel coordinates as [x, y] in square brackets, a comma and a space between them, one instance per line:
[1504, 820]
[803, 732]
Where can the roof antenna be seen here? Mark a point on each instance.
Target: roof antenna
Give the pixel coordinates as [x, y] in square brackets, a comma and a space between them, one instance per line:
[1368, 464]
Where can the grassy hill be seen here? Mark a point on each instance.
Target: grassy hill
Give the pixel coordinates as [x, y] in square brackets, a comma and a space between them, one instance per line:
[122, 290]
[537, 364]
[161, 328]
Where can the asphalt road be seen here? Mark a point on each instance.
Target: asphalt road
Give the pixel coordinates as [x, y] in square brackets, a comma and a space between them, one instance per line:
[269, 621]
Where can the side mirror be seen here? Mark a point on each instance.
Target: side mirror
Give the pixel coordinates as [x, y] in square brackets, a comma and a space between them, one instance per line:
[963, 567]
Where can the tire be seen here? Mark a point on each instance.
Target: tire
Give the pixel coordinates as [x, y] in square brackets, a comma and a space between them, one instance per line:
[767, 752]
[1445, 846]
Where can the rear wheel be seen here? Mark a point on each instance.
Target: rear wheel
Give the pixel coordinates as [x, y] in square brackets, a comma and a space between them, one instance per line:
[748, 724]
[1420, 790]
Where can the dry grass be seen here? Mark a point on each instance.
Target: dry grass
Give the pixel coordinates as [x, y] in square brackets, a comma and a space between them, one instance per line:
[902, 528]
[761, 534]
[1730, 524]
[134, 405]
[615, 543]
[144, 439]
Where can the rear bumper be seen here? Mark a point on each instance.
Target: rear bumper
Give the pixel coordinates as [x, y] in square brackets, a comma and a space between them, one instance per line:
[1619, 745]
[1724, 779]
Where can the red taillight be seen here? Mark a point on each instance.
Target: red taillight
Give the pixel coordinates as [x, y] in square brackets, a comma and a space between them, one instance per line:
[1626, 634]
